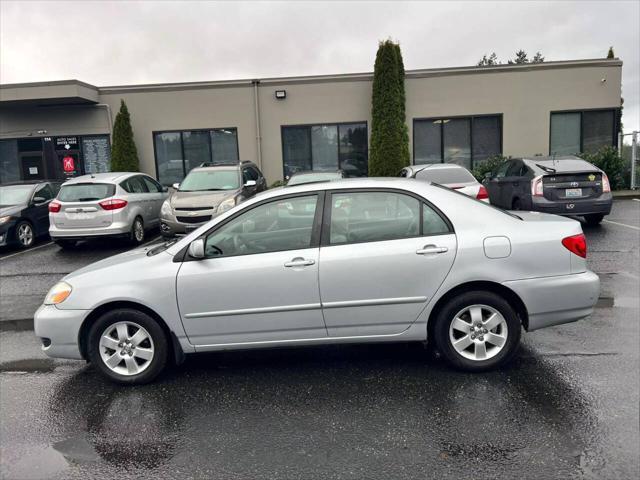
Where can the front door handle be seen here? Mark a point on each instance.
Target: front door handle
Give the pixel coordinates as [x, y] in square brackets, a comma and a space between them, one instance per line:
[299, 262]
[429, 249]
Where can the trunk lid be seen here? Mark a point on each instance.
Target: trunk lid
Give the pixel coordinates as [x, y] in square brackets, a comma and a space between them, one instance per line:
[572, 186]
[80, 206]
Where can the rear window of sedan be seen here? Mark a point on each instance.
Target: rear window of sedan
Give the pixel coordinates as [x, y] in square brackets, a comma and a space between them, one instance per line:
[445, 176]
[86, 192]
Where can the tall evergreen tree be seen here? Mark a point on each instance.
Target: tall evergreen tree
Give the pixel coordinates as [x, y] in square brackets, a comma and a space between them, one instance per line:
[387, 156]
[124, 154]
[610, 53]
[405, 157]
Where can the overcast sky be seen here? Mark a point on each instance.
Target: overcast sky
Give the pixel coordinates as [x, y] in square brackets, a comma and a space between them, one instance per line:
[115, 43]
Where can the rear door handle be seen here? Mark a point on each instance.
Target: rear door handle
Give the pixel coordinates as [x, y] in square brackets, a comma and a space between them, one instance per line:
[429, 249]
[299, 262]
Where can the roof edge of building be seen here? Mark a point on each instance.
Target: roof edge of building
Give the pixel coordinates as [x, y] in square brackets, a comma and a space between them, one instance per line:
[362, 76]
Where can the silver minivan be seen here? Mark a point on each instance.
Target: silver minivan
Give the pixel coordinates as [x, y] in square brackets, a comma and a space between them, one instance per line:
[117, 204]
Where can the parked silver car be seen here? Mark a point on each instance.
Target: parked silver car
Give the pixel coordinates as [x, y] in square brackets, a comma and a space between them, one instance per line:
[448, 175]
[356, 260]
[105, 204]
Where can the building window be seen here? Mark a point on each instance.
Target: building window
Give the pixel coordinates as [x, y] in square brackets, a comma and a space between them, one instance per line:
[326, 148]
[461, 140]
[9, 166]
[582, 131]
[178, 152]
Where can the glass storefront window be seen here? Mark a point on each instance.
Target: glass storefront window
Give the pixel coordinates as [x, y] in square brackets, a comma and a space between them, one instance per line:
[586, 131]
[179, 152]
[565, 134]
[326, 148]
[9, 166]
[597, 130]
[462, 140]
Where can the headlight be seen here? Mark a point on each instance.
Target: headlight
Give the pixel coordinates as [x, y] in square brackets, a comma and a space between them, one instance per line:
[166, 208]
[226, 205]
[4, 219]
[58, 293]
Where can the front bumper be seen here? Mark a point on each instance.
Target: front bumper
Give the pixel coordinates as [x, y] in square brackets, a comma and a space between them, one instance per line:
[7, 233]
[598, 206]
[170, 226]
[559, 299]
[61, 328]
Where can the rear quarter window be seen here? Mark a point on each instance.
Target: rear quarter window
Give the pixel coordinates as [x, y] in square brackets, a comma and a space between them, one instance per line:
[86, 192]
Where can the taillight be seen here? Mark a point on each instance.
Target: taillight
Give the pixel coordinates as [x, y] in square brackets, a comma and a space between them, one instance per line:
[576, 244]
[606, 186]
[54, 207]
[113, 204]
[536, 186]
[482, 193]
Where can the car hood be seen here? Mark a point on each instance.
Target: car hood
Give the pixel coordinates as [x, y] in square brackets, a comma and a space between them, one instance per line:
[130, 257]
[11, 210]
[200, 199]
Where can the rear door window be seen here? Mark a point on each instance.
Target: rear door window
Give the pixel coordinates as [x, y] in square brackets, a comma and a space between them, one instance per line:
[86, 192]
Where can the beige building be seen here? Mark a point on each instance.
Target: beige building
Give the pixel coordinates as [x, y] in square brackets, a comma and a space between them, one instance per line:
[461, 115]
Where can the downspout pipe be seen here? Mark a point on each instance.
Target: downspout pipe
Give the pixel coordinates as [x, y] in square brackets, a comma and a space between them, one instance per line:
[107, 107]
[256, 105]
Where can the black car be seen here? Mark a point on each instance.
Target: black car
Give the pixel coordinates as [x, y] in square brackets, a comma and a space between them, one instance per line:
[561, 185]
[24, 213]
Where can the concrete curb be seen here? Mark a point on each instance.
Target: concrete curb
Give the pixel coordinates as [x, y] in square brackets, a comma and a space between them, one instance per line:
[622, 194]
[18, 325]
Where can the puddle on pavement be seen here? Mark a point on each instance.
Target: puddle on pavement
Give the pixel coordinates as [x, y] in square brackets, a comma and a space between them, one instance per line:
[31, 365]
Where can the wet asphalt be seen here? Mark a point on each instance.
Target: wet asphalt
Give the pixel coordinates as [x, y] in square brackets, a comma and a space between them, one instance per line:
[567, 407]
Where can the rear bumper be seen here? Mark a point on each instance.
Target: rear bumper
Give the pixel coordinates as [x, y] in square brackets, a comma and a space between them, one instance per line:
[600, 205]
[115, 229]
[557, 300]
[61, 328]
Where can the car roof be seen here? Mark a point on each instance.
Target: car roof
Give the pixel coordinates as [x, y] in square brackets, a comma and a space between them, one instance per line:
[29, 182]
[108, 177]
[559, 164]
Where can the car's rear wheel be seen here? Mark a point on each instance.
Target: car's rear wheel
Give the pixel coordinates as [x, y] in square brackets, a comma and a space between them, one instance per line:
[137, 231]
[128, 346]
[25, 234]
[477, 331]
[517, 205]
[66, 244]
[594, 219]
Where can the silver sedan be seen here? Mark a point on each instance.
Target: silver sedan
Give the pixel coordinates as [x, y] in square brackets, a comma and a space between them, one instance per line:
[359, 260]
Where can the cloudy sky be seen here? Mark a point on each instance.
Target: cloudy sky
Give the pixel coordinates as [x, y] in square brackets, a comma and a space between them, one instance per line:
[115, 43]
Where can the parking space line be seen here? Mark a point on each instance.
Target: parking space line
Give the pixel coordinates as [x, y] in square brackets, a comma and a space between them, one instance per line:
[26, 251]
[621, 224]
[636, 199]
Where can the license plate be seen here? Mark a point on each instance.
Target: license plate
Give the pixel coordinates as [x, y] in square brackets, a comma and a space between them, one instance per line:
[573, 192]
[80, 216]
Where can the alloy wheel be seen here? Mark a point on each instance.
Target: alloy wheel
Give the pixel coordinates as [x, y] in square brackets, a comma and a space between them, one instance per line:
[138, 231]
[126, 348]
[478, 332]
[25, 234]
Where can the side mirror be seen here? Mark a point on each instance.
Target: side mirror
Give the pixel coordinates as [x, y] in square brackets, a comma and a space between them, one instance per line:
[196, 248]
[176, 186]
[39, 200]
[165, 189]
[250, 183]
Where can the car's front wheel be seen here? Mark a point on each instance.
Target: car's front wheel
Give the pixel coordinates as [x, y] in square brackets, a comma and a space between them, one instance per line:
[477, 331]
[25, 234]
[128, 346]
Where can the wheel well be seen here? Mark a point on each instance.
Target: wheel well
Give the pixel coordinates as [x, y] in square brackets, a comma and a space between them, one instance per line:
[94, 315]
[509, 295]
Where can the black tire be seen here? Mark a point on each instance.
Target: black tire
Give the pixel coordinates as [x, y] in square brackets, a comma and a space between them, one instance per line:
[159, 345]
[594, 219]
[25, 234]
[517, 205]
[458, 303]
[136, 237]
[66, 244]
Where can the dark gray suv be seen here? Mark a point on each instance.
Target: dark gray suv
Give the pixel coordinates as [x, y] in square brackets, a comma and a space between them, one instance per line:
[207, 191]
[561, 185]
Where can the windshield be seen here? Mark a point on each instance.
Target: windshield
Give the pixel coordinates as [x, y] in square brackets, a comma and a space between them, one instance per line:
[15, 195]
[313, 177]
[86, 192]
[202, 180]
[445, 176]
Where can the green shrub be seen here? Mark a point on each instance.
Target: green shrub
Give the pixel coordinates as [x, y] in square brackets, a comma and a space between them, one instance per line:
[609, 160]
[278, 183]
[491, 164]
[124, 155]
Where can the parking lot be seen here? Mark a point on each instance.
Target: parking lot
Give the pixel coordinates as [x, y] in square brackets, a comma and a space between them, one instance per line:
[566, 407]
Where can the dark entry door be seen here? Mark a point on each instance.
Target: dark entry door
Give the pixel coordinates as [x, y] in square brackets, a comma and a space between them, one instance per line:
[32, 166]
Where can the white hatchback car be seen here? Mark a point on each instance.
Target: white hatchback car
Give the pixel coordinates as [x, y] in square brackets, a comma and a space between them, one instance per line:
[356, 260]
[118, 204]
